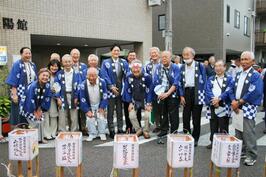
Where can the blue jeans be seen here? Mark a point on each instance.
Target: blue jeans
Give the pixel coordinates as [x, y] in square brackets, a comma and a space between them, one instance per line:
[91, 122]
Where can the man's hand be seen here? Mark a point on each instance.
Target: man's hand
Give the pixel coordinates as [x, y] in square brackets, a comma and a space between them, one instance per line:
[15, 98]
[148, 107]
[115, 90]
[89, 114]
[130, 107]
[215, 102]
[38, 113]
[163, 96]
[182, 101]
[234, 105]
[59, 102]
[101, 111]
[76, 102]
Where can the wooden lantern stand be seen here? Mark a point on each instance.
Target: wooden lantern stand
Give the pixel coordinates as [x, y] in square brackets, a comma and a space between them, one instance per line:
[60, 171]
[170, 171]
[218, 171]
[135, 172]
[29, 167]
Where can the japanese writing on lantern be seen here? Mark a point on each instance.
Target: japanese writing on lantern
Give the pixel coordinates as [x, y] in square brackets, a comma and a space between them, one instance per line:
[184, 152]
[68, 152]
[232, 153]
[19, 147]
[9, 24]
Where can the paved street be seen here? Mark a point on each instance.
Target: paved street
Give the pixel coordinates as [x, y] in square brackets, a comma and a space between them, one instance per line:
[97, 157]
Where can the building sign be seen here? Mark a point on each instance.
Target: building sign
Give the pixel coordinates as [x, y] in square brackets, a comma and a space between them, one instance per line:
[8, 23]
[3, 55]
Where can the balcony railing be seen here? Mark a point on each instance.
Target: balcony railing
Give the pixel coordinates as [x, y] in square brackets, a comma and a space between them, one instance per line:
[261, 6]
[260, 38]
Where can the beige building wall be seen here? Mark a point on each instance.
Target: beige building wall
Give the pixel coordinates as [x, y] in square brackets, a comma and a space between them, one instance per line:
[119, 20]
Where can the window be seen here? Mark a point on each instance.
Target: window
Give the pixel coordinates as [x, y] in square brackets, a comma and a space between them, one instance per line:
[237, 19]
[228, 14]
[246, 26]
[161, 22]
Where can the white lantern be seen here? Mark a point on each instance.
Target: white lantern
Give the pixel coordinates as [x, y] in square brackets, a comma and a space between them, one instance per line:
[226, 151]
[23, 144]
[126, 151]
[180, 150]
[68, 149]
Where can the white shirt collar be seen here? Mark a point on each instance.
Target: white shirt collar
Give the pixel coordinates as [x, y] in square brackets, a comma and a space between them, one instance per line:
[97, 82]
[115, 60]
[219, 77]
[247, 71]
[69, 72]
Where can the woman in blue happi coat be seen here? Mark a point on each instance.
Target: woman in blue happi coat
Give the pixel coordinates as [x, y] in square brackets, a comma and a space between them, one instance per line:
[22, 73]
[36, 101]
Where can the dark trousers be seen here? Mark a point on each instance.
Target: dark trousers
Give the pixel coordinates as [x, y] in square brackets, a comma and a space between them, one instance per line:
[265, 118]
[194, 109]
[115, 103]
[128, 123]
[169, 111]
[82, 121]
[218, 124]
[156, 113]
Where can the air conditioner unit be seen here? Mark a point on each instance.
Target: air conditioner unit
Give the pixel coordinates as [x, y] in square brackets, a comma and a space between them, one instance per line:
[154, 3]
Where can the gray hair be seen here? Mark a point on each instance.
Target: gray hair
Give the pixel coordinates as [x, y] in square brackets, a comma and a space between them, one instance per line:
[91, 56]
[74, 50]
[66, 56]
[92, 70]
[191, 50]
[249, 53]
[155, 48]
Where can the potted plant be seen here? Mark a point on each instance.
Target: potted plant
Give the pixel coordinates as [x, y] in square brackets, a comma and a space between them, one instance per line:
[5, 106]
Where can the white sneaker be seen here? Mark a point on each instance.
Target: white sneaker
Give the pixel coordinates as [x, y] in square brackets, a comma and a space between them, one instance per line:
[103, 137]
[90, 138]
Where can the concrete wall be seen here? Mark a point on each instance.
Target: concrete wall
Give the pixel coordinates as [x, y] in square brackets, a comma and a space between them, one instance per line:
[127, 20]
[237, 41]
[196, 23]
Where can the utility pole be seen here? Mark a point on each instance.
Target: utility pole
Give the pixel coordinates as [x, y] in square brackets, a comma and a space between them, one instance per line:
[253, 27]
[168, 25]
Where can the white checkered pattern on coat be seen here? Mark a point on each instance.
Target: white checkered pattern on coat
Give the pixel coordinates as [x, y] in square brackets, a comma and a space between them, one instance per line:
[110, 94]
[20, 90]
[249, 111]
[31, 116]
[201, 97]
[227, 108]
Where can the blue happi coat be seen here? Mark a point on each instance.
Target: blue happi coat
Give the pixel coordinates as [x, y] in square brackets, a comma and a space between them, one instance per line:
[149, 68]
[60, 80]
[224, 97]
[146, 82]
[85, 105]
[82, 67]
[34, 98]
[108, 73]
[18, 77]
[173, 76]
[200, 81]
[251, 93]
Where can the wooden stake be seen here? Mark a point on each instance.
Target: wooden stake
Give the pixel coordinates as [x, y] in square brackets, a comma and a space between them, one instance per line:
[135, 172]
[229, 172]
[29, 168]
[20, 169]
[211, 169]
[217, 171]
